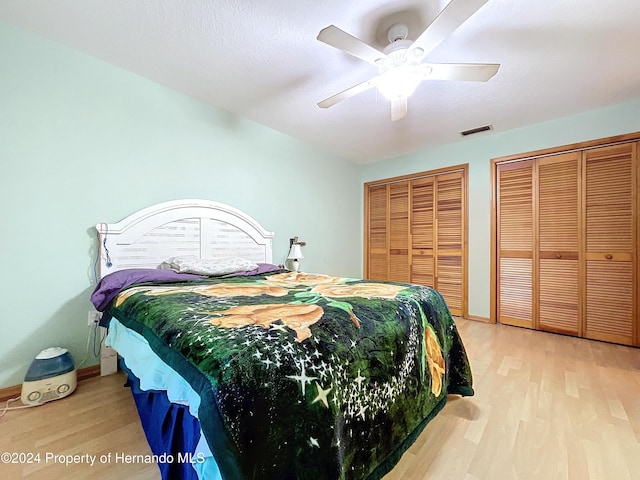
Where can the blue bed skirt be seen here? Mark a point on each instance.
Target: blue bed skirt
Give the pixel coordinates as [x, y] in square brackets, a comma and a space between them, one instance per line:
[171, 431]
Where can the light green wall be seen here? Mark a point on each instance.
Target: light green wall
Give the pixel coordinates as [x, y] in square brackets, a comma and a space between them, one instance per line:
[83, 142]
[478, 152]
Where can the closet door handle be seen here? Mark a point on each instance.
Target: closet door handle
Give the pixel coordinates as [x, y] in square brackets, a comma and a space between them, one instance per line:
[558, 255]
[608, 256]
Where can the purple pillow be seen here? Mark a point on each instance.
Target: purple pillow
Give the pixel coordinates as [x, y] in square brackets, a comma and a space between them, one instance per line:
[109, 286]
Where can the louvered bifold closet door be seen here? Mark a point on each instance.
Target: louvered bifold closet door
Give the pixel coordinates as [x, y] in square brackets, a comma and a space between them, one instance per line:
[610, 191]
[416, 231]
[422, 230]
[515, 238]
[399, 232]
[449, 201]
[558, 202]
[377, 246]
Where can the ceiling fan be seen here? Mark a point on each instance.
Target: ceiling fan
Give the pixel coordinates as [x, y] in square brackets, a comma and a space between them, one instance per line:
[400, 67]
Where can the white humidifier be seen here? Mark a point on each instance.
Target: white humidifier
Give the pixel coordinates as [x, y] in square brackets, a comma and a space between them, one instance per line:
[51, 375]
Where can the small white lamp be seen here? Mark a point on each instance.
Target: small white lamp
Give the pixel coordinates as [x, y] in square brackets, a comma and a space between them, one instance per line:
[295, 253]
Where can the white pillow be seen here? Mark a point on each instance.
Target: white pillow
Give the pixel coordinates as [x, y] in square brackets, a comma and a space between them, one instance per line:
[208, 266]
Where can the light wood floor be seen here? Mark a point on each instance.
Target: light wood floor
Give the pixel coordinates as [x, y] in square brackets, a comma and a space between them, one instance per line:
[546, 407]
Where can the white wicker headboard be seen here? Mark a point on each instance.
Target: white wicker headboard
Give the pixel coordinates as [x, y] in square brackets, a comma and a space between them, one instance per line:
[203, 228]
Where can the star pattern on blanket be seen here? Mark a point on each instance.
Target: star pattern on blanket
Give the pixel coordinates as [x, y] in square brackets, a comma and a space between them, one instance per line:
[322, 395]
[303, 378]
[275, 350]
[353, 395]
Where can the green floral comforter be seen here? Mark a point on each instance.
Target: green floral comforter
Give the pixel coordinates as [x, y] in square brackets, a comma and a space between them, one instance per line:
[304, 376]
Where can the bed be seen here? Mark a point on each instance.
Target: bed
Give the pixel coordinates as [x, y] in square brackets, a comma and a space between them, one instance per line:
[256, 372]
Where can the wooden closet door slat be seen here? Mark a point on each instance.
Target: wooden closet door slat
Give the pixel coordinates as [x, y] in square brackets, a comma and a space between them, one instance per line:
[449, 281]
[377, 262]
[610, 183]
[422, 230]
[423, 269]
[399, 232]
[609, 301]
[515, 243]
[558, 289]
[609, 173]
[558, 202]
[516, 292]
[449, 239]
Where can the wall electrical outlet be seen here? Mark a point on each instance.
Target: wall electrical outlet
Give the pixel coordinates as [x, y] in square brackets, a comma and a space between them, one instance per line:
[93, 318]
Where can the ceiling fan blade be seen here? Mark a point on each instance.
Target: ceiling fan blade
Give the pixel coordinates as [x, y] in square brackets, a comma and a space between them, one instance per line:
[448, 20]
[398, 108]
[346, 42]
[348, 93]
[469, 72]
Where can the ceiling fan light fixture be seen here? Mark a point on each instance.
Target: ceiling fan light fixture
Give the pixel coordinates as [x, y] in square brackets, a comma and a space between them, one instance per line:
[399, 82]
[399, 64]
[399, 72]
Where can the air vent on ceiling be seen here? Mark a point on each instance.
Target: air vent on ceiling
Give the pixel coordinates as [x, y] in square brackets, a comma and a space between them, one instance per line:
[473, 131]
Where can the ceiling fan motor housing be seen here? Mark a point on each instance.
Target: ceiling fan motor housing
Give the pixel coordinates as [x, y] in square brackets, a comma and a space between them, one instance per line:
[397, 31]
[399, 48]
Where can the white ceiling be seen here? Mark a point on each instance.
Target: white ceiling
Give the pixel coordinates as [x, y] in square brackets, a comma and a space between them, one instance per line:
[261, 61]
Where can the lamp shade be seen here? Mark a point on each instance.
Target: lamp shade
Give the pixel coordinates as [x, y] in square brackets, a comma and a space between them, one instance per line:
[295, 252]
